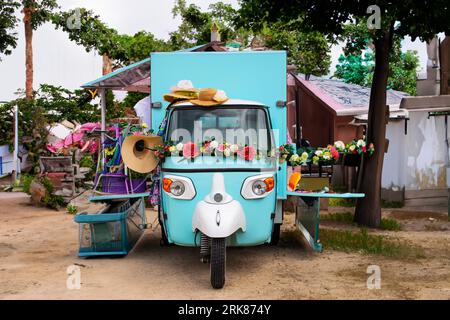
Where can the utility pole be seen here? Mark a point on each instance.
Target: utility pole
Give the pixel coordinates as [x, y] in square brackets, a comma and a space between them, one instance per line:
[16, 162]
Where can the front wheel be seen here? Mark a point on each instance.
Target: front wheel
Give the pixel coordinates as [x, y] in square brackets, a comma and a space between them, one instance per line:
[218, 262]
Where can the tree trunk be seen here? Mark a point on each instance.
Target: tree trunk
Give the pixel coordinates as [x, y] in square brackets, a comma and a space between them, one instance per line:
[28, 53]
[107, 68]
[368, 209]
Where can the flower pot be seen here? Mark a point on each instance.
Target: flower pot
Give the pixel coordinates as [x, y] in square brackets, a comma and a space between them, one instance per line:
[352, 160]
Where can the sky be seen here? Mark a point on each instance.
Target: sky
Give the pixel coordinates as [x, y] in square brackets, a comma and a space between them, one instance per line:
[58, 61]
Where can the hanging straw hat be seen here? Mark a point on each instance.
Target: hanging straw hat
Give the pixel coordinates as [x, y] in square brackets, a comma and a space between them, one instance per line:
[184, 90]
[136, 153]
[210, 97]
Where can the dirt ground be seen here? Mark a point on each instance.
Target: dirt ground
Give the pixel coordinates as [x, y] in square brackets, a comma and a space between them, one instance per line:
[38, 245]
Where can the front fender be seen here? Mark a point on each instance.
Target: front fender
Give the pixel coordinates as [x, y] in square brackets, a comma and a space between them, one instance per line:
[218, 221]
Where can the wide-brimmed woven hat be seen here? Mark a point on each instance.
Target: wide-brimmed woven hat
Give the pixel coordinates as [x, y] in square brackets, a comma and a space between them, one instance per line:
[184, 90]
[137, 153]
[210, 97]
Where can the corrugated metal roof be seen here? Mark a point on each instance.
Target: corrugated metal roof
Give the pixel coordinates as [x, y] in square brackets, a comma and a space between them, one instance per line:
[346, 98]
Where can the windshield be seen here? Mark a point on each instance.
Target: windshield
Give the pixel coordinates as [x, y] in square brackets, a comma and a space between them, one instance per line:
[243, 125]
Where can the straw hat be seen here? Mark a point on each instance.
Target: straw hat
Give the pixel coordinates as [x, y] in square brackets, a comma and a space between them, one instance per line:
[136, 154]
[210, 97]
[184, 90]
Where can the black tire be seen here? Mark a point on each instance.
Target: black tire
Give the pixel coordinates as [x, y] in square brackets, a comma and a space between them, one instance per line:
[275, 234]
[164, 241]
[218, 262]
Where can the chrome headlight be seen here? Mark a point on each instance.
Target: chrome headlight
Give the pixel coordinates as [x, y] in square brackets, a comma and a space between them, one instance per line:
[178, 187]
[258, 187]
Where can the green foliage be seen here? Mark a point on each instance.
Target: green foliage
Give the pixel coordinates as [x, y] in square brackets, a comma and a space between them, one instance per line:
[50, 200]
[87, 162]
[308, 51]
[8, 21]
[348, 218]
[32, 127]
[93, 34]
[71, 209]
[27, 179]
[390, 224]
[41, 10]
[342, 202]
[132, 98]
[9, 11]
[51, 104]
[366, 243]
[62, 104]
[195, 28]
[357, 67]
[345, 217]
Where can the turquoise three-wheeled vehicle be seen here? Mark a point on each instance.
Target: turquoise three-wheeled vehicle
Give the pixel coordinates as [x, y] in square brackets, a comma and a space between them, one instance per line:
[217, 200]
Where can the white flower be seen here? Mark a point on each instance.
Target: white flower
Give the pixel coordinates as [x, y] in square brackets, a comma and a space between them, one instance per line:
[319, 153]
[294, 158]
[179, 147]
[339, 145]
[214, 144]
[304, 156]
[234, 148]
[361, 143]
[227, 152]
[326, 157]
[352, 147]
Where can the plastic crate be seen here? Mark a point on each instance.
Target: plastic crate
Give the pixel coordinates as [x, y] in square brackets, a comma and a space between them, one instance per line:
[114, 231]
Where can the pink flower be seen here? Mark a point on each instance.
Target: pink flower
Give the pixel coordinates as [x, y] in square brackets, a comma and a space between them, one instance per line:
[221, 147]
[207, 145]
[247, 153]
[334, 153]
[190, 150]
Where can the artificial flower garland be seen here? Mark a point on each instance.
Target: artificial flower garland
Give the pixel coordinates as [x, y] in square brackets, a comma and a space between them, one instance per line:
[303, 156]
[191, 150]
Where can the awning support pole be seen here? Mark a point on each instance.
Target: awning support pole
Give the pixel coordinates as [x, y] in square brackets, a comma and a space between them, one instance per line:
[103, 116]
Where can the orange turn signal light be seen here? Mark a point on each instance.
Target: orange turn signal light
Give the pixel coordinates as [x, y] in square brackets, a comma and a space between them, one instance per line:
[270, 184]
[166, 184]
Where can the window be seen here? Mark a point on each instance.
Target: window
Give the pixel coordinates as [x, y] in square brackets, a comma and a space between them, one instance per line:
[236, 125]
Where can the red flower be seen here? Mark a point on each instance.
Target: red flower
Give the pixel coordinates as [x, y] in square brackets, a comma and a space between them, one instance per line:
[190, 150]
[247, 153]
[364, 149]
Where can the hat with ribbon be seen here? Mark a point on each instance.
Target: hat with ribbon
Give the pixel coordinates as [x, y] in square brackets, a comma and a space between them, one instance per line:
[184, 90]
[210, 97]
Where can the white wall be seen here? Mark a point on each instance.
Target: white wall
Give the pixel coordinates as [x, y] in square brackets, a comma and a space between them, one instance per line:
[426, 152]
[416, 161]
[393, 177]
[8, 158]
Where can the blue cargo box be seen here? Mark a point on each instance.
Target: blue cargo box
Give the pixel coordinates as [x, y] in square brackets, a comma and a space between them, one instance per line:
[114, 231]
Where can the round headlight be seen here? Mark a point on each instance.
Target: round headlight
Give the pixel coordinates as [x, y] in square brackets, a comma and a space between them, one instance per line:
[259, 187]
[177, 188]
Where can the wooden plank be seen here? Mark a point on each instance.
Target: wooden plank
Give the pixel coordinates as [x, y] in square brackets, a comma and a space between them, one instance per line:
[424, 202]
[428, 193]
